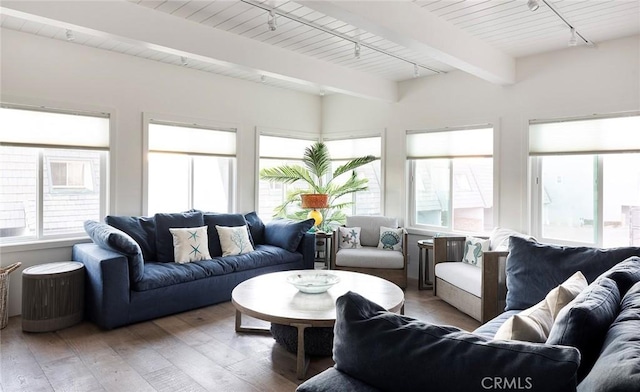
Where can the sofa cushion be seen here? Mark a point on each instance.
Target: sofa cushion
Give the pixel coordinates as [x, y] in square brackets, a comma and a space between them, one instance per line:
[390, 238]
[583, 323]
[490, 328]
[228, 220]
[256, 227]
[190, 244]
[286, 233]
[370, 227]
[369, 257]
[462, 275]
[141, 228]
[618, 365]
[332, 380]
[398, 353]
[533, 269]
[164, 239]
[499, 238]
[109, 237]
[234, 240]
[349, 237]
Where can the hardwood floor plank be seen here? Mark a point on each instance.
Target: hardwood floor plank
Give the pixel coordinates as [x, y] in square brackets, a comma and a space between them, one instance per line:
[19, 370]
[70, 374]
[173, 380]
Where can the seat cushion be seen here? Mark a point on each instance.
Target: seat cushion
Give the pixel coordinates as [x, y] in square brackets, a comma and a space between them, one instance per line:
[466, 276]
[398, 353]
[370, 227]
[369, 257]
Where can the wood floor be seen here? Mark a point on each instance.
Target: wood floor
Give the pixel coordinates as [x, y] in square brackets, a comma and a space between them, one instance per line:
[192, 351]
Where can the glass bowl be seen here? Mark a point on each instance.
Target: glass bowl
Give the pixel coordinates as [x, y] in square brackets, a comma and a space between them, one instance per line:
[313, 283]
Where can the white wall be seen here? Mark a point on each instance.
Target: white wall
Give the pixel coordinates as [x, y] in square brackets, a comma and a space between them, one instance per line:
[59, 73]
[573, 82]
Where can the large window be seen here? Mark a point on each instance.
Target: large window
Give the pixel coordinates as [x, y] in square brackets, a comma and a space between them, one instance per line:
[277, 151]
[190, 167]
[53, 172]
[451, 179]
[586, 181]
[367, 202]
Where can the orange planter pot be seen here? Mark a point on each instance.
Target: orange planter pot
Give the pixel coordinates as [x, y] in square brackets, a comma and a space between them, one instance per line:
[315, 200]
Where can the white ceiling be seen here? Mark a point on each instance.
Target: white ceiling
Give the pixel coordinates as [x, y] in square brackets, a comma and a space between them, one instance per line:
[312, 48]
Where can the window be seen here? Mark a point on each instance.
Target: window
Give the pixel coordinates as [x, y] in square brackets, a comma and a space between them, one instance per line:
[586, 181]
[190, 167]
[277, 151]
[451, 179]
[367, 202]
[53, 172]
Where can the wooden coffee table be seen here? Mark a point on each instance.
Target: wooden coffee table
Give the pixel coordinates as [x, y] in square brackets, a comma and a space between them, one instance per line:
[271, 298]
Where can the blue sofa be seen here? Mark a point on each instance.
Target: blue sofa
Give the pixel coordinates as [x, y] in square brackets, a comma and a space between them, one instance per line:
[593, 344]
[131, 275]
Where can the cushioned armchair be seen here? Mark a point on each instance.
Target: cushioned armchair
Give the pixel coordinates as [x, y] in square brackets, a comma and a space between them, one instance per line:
[368, 258]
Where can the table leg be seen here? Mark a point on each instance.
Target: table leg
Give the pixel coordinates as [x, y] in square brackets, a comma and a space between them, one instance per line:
[301, 360]
[241, 328]
[421, 269]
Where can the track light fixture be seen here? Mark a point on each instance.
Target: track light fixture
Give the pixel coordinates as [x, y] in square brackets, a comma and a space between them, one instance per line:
[573, 41]
[575, 34]
[356, 50]
[263, 79]
[416, 71]
[69, 35]
[533, 5]
[271, 21]
[183, 61]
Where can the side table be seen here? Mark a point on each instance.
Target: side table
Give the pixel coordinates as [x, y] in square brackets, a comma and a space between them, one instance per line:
[322, 248]
[52, 296]
[424, 246]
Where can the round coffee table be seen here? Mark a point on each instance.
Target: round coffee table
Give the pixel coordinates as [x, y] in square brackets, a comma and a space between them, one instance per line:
[271, 298]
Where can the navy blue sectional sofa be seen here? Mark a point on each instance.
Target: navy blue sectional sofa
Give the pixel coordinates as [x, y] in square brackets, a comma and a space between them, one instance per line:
[592, 346]
[131, 276]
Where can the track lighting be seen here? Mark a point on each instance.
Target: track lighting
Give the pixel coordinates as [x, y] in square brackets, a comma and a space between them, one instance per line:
[533, 5]
[271, 21]
[356, 51]
[573, 41]
[183, 61]
[416, 71]
[70, 36]
[263, 79]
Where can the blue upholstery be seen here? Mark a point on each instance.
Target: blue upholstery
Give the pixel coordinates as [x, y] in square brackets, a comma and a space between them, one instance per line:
[285, 233]
[227, 220]
[617, 367]
[398, 353]
[164, 239]
[332, 380]
[111, 238]
[142, 229]
[533, 269]
[489, 329]
[256, 227]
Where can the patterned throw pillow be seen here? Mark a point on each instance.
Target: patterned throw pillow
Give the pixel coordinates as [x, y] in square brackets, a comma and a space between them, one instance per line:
[190, 244]
[234, 240]
[390, 238]
[473, 248]
[349, 237]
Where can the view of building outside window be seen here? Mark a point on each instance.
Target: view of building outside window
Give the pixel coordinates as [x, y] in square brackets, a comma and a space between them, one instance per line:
[364, 202]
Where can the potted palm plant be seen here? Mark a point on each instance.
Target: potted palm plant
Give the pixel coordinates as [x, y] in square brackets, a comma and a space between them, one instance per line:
[320, 184]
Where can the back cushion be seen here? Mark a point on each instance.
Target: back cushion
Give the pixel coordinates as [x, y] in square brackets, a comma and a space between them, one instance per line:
[370, 227]
[533, 269]
[164, 222]
[212, 220]
[256, 227]
[286, 233]
[141, 228]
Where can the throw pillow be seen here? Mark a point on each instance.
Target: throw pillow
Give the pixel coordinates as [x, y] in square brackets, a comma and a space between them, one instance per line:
[234, 240]
[190, 244]
[583, 324]
[473, 249]
[109, 237]
[534, 324]
[349, 237]
[385, 349]
[256, 227]
[164, 238]
[390, 238]
[141, 228]
[214, 219]
[499, 238]
[286, 233]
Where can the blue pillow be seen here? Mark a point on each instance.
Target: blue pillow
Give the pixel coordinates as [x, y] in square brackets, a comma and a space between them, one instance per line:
[141, 229]
[534, 269]
[227, 220]
[398, 353]
[109, 237]
[618, 365]
[256, 227]
[164, 222]
[584, 322]
[285, 233]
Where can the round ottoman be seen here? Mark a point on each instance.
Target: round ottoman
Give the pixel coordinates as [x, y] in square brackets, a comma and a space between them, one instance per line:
[318, 341]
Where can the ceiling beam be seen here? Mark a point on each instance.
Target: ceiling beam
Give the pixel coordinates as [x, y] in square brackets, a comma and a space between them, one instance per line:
[144, 27]
[409, 25]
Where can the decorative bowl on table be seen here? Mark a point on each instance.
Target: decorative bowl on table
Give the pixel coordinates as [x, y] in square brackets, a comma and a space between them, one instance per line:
[313, 283]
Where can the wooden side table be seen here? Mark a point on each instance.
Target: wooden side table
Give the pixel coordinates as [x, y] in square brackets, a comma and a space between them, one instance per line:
[424, 246]
[323, 250]
[52, 296]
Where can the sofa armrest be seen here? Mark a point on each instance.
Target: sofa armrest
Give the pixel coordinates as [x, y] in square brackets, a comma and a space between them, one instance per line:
[494, 284]
[448, 248]
[307, 247]
[107, 288]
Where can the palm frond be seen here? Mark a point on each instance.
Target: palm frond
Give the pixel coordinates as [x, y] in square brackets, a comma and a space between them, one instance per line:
[287, 174]
[353, 184]
[353, 164]
[317, 160]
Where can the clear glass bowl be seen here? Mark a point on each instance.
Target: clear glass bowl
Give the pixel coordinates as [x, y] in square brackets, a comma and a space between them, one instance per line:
[313, 283]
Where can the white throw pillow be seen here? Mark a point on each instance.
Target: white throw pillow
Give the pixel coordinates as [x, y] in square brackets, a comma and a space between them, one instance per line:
[390, 238]
[349, 237]
[190, 244]
[533, 324]
[499, 238]
[473, 249]
[234, 240]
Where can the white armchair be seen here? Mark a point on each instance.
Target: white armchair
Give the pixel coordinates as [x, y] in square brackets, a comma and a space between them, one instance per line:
[369, 259]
